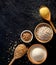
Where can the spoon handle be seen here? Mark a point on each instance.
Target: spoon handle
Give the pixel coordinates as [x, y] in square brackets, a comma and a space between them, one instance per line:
[12, 61]
[52, 26]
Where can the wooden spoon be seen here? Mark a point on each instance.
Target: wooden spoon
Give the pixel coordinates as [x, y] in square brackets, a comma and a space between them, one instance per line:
[46, 14]
[19, 52]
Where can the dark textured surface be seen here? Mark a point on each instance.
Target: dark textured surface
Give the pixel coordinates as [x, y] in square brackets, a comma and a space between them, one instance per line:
[16, 16]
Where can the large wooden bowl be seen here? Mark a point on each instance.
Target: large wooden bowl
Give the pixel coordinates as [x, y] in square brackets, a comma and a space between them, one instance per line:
[36, 29]
[37, 46]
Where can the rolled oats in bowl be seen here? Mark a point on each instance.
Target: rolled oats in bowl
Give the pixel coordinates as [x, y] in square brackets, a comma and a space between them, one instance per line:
[43, 32]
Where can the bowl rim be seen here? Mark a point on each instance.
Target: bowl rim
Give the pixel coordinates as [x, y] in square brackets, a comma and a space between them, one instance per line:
[41, 24]
[23, 39]
[32, 60]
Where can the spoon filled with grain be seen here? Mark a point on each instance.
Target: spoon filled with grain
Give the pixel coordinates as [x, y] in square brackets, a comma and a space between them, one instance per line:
[46, 14]
[19, 52]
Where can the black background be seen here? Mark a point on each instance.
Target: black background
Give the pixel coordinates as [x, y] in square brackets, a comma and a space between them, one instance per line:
[16, 16]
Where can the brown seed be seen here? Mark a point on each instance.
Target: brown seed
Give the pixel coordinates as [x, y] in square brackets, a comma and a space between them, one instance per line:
[26, 36]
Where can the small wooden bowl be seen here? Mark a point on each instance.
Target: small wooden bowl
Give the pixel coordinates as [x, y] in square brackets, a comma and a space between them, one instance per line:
[28, 31]
[36, 36]
[37, 46]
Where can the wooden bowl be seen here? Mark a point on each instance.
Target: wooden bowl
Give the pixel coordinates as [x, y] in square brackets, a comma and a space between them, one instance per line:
[44, 54]
[44, 37]
[26, 41]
